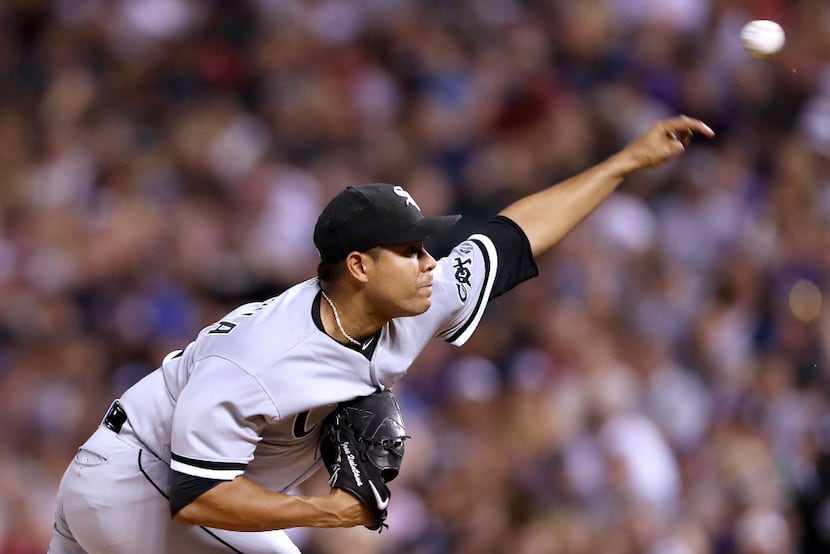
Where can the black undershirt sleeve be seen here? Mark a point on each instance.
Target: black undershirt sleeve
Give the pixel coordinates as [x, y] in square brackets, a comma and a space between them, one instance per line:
[516, 263]
[185, 488]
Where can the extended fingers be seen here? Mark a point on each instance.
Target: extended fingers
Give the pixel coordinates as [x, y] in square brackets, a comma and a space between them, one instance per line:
[682, 126]
[683, 137]
[665, 139]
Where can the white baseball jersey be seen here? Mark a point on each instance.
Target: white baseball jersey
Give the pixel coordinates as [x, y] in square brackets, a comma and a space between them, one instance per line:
[247, 396]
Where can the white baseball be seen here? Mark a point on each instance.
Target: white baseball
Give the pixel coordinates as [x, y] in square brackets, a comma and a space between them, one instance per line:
[762, 37]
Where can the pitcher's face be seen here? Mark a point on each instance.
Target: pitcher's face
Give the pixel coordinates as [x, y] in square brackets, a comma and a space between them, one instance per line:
[400, 280]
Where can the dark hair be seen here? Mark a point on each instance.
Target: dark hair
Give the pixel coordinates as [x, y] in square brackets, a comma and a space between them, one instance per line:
[330, 271]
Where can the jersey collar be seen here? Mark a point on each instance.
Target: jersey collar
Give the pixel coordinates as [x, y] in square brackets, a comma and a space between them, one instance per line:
[367, 344]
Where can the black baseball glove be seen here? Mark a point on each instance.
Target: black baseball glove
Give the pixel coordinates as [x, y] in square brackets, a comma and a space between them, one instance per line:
[362, 446]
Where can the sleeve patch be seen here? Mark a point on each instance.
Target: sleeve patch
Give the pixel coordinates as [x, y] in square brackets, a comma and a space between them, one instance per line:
[463, 274]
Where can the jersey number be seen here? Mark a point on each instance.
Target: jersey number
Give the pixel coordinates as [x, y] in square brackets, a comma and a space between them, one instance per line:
[222, 328]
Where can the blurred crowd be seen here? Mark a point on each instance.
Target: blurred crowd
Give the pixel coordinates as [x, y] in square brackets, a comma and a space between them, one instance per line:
[661, 388]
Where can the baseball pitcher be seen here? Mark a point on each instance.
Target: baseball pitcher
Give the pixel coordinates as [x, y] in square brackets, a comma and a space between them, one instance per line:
[199, 455]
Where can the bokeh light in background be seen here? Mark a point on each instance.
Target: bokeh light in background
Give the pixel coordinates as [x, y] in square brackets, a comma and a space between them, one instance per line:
[805, 300]
[661, 388]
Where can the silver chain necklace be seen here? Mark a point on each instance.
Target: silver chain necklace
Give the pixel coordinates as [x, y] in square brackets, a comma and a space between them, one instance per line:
[337, 319]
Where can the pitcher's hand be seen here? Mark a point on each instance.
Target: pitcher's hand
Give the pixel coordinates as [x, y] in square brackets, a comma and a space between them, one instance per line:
[664, 140]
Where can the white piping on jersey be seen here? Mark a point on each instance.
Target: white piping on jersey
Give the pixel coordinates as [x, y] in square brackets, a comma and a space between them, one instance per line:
[490, 252]
[219, 474]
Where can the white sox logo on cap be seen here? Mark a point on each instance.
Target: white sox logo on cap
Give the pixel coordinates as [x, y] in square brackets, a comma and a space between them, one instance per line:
[399, 190]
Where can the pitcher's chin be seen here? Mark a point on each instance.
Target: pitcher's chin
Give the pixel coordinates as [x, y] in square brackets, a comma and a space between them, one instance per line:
[423, 303]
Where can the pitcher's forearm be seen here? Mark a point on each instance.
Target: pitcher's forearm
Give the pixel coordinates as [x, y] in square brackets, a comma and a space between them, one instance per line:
[547, 216]
[242, 505]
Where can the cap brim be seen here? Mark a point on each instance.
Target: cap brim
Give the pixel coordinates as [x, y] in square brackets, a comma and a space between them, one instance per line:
[425, 228]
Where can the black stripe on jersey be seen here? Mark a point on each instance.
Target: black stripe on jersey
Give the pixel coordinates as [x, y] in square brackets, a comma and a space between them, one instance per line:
[480, 298]
[208, 465]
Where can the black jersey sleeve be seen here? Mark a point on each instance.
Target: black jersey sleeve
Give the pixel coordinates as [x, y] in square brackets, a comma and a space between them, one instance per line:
[185, 488]
[516, 263]
[489, 263]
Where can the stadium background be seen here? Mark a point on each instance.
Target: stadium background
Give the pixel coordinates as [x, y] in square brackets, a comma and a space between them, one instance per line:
[662, 388]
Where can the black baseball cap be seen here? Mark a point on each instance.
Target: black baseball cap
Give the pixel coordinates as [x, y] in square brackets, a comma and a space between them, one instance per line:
[364, 216]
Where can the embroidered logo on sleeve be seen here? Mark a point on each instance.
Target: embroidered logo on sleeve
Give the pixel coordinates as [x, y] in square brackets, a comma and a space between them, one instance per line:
[462, 277]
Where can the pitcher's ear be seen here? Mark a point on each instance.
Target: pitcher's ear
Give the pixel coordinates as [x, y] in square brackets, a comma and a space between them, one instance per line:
[355, 265]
